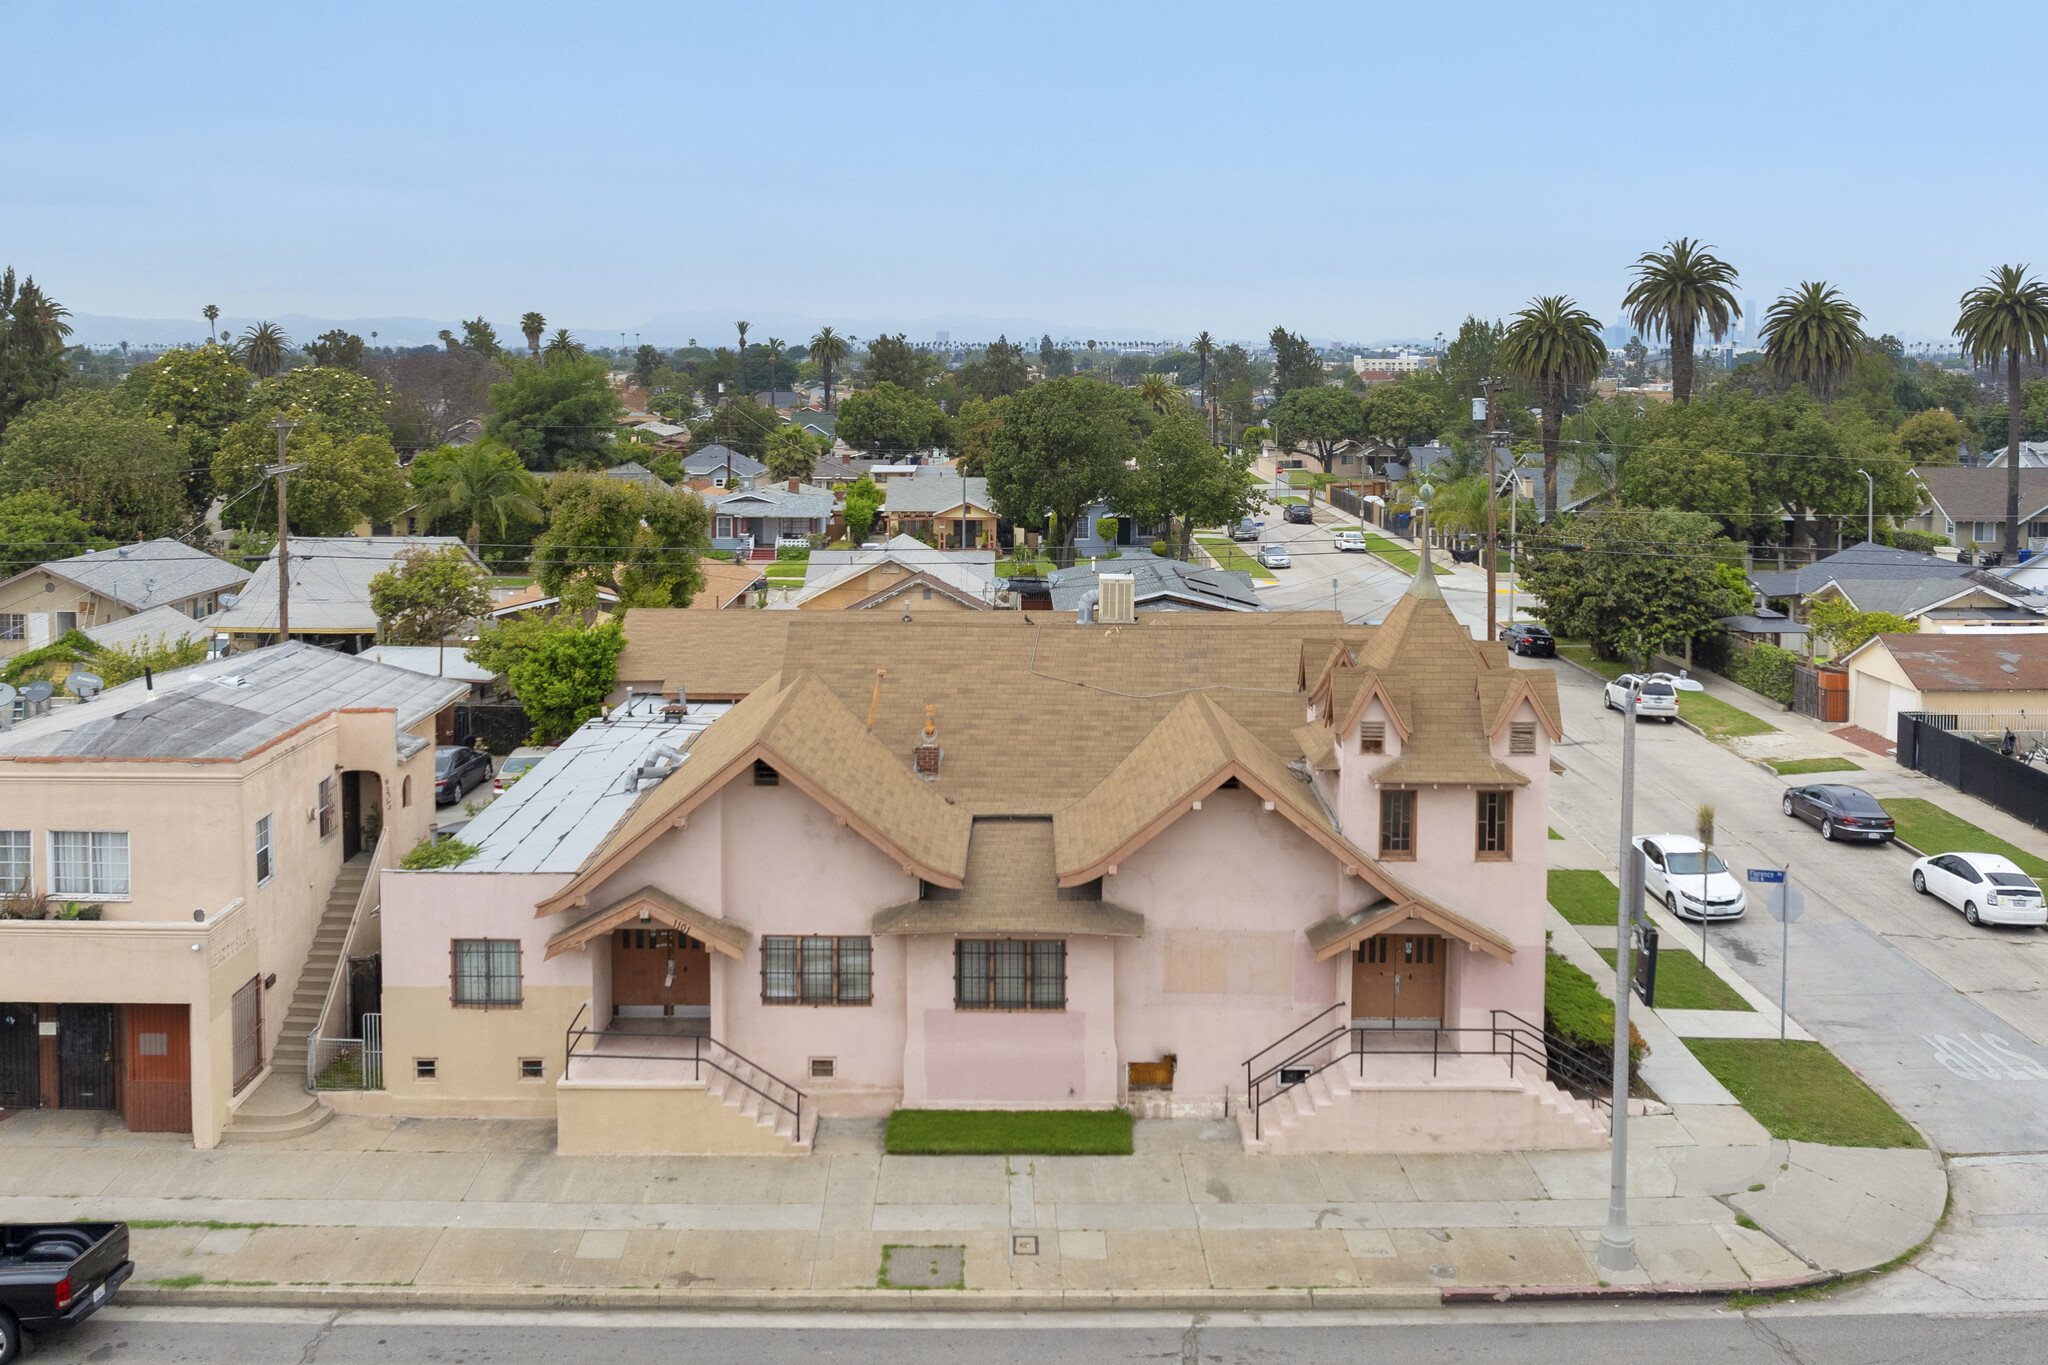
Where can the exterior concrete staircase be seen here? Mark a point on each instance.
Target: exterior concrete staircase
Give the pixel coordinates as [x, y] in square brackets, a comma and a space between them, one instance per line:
[1472, 1103]
[748, 1090]
[283, 1107]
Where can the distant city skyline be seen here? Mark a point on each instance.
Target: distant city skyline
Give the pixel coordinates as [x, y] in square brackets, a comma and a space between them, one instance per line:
[1107, 172]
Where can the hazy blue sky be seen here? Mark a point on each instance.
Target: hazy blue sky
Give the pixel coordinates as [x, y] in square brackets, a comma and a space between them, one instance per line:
[1360, 171]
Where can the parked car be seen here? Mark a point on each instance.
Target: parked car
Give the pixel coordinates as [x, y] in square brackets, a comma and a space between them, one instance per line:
[1658, 699]
[1840, 812]
[1274, 556]
[1248, 529]
[1351, 538]
[1299, 513]
[456, 770]
[1689, 878]
[1988, 889]
[514, 767]
[56, 1275]
[1526, 637]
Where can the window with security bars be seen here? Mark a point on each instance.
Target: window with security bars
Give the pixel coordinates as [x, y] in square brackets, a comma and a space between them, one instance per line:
[89, 862]
[1010, 974]
[264, 866]
[816, 969]
[1496, 819]
[1372, 737]
[484, 973]
[1522, 737]
[14, 861]
[330, 812]
[1397, 824]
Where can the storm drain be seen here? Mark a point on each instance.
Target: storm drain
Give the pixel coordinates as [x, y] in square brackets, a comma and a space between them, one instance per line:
[923, 1267]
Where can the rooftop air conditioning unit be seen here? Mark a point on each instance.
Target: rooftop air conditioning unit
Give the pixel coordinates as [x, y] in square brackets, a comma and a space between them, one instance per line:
[1119, 602]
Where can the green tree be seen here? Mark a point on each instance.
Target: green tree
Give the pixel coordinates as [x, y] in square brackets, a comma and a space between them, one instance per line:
[564, 679]
[1062, 445]
[792, 453]
[263, 349]
[1553, 343]
[1155, 391]
[470, 485]
[426, 595]
[37, 526]
[828, 348]
[343, 400]
[893, 360]
[1473, 355]
[336, 349]
[119, 469]
[1204, 346]
[347, 480]
[1629, 602]
[559, 415]
[481, 337]
[562, 348]
[1932, 438]
[1676, 291]
[2006, 318]
[646, 362]
[1842, 628]
[1402, 413]
[775, 347]
[890, 420]
[1315, 421]
[1667, 473]
[1295, 363]
[32, 332]
[999, 370]
[212, 315]
[641, 543]
[532, 325]
[864, 499]
[1812, 336]
[1180, 475]
[197, 395]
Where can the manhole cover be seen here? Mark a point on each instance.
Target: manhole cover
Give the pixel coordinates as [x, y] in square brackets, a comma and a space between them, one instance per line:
[923, 1267]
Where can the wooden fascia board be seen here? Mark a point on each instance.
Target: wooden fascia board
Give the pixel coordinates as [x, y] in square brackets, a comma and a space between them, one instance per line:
[1364, 698]
[628, 912]
[1523, 688]
[1420, 909]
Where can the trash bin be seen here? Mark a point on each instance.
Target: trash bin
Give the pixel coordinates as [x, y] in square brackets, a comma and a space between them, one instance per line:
[1644, 942]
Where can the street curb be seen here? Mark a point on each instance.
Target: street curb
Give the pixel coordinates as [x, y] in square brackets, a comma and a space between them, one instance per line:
[787, 1301]
[1576, 1293]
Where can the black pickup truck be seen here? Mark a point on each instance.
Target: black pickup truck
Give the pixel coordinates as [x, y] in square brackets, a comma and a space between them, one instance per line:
[56, 1275]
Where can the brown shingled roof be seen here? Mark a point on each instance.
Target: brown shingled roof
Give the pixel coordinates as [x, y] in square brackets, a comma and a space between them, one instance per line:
[722, 656]
[1011, 889]
[1971, 663]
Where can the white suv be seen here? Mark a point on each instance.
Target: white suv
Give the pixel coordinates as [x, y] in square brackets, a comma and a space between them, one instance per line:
[1659, 698]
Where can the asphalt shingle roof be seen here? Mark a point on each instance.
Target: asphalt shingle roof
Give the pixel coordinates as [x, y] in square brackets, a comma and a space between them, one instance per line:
[1161, 584]
[151, 574]
[917, 494]
[330, 584]
[715, 457]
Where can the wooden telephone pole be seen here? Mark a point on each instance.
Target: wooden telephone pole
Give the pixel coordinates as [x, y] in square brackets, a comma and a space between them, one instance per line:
[284, 564]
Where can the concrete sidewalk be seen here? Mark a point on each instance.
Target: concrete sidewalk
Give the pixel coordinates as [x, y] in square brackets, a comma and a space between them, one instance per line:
[458, 1212]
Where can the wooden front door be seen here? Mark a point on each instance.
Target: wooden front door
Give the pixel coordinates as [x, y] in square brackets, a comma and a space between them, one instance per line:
[157, 1056]
[656, 970]
[1399, 979]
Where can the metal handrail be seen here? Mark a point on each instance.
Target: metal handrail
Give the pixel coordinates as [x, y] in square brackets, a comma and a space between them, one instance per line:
[696, 1059]
[1282, 1039]
[366, 899]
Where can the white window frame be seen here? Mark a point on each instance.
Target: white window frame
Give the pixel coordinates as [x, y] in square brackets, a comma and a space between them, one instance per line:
[93, 891]
[13, 625]
[266, 853]
[21, 839]
[327, 807]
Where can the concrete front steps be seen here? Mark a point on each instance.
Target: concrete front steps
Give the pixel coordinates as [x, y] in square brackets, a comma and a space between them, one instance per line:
[750, 1099]
[1470, 1104]
[283, 1107]
[637, 1094]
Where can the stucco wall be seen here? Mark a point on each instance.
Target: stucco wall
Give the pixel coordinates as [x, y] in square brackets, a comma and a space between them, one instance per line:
[1010, 1059]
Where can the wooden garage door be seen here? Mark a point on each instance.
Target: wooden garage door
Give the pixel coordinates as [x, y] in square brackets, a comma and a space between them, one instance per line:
[157, 1052]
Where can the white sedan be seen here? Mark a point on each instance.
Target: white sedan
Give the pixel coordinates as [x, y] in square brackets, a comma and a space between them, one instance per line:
[1658, 698]
[1691, 880]
[1988, 889]
[1350, 539]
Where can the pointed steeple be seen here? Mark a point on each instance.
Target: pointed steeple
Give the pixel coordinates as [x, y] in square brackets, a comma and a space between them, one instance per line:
[1425, 585]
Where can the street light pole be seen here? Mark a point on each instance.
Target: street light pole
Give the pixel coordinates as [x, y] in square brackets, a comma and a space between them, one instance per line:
[1617, 1242]
[1870, 510]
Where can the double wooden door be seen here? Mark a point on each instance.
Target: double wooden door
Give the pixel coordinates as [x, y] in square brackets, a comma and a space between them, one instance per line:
[659, 971]
[1399, 979]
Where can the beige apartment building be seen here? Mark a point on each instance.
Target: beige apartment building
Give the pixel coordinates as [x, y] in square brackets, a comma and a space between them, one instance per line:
[38, 605]
[186, 866]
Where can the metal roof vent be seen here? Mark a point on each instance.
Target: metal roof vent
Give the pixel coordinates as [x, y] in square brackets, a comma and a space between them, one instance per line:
[924, 759]
[232, 680]
[659, 763]
[1119, 599]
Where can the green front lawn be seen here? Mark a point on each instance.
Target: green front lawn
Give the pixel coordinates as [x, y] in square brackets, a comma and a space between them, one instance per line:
[1010, 568]
[1029, 1132]
[1803, 1093]
[1718, 719]
[1582, 655]
[1584, 897]
[1288, 501]
[1933, 830]
[1229, 556]
[1683, 984]
[1392, 553]
[785, 570]
[1792, 767]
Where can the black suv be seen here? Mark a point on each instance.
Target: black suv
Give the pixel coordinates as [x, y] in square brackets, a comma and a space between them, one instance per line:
[1526, 637]
[1299, 512]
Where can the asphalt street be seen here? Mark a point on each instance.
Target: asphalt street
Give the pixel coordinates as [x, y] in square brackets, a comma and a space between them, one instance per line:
[1677, 1336]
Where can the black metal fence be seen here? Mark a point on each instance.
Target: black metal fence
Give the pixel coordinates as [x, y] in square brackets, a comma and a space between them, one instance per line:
[1974, 766]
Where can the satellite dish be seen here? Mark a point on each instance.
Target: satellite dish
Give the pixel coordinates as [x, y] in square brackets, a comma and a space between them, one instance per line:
[36, 693]
[228, 599]
[85, 686]
[7, 696]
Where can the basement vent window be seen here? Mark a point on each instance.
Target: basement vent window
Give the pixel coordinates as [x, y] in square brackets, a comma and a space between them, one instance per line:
[1372, 737]
[1522, 737]
[823, 1067]
[424, 1068]
[532, 1069]
[765, 776]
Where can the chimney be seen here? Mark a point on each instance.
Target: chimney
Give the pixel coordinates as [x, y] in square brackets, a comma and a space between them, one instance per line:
[795, 484]
[1119, 599]
[924, 759]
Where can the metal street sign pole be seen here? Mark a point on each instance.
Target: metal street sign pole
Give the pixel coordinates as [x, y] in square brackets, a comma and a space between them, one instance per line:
[1617, 1243]
[1786, 904]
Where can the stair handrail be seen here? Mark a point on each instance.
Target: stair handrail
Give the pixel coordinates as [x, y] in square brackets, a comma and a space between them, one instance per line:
[367, 901]
[1282, 1039]
[794, 1106]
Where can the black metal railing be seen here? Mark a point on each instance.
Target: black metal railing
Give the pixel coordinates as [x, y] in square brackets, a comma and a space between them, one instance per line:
[1507, 1036]
[695, 1058]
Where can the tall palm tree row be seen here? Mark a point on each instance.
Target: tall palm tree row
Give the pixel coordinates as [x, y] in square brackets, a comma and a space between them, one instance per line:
[1811, 336]
[2006, 317]
[263, 349]
[480, 485]
[1676, 291]
[828, 348]
[533, 325]
[562, 346]
[1553, 343]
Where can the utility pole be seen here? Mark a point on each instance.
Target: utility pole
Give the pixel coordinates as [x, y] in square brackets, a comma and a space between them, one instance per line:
[1870, 510]
[1492, 516]
[284, 563]
[1617, 1243]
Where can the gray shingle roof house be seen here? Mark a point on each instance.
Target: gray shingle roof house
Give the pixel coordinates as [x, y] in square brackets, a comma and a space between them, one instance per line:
[1161, 584]
[717, 461]
[633, 472]
[153, 573]
[330, 585]
[769, 514]
[1904, 582]
[938, 493]
[816, 421]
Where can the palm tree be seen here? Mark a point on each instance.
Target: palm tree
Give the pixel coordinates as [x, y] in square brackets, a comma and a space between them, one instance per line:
[533, 324]
[212, 314]
[742, 371]
[562, 346]
[480, 483]
[1811, 336]
[828, 348]
[1156, 390]
[1676, 290]
[263, 348]
[1554, 343]
[1204, 347]
[774, 349]
[37, 326]
[2007, 316]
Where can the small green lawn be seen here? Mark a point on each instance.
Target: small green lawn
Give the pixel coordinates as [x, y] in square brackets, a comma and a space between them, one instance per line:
[1582, 655]
[1032, 1132]
[1288, 501]
[1301, 478]
[1555, 835]
[1718, 719]
[1802, 1092]
[1932, 830]
[1392, 553]
[1792, 767]
[1010, 568]
[1229, 556]
[786, 571]
[1683, 984]
[510, 580]
[1584, 897]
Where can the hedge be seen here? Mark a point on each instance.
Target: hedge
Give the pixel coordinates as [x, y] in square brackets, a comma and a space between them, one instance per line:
[1763, 668]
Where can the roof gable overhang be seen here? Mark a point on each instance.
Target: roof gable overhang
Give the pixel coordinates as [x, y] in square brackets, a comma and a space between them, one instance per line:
[917, 579]
[1377, 688]
[1520, 690]
[652, 904]
[1337, 936]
